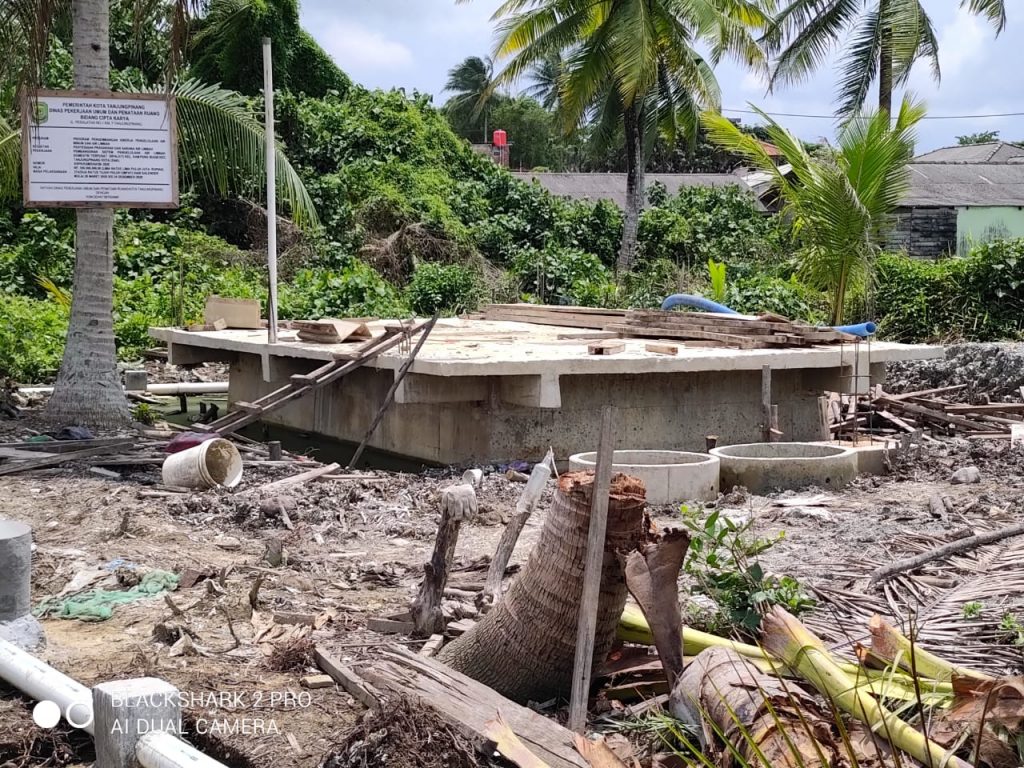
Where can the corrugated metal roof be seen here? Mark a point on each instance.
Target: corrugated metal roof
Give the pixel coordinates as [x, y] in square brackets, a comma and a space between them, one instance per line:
[612, 186]
[992, 152]
[958, 184]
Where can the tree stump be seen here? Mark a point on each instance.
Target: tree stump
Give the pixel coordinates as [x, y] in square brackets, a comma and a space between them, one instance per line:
[524, 648]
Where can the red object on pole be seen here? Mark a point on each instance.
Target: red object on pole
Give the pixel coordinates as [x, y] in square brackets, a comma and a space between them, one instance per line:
[500, 138]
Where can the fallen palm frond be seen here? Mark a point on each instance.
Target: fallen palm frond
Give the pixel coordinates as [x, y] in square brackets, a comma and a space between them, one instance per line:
[932, 600]
[747, 717]
[896, 649]
[787, 639]
[887, 683]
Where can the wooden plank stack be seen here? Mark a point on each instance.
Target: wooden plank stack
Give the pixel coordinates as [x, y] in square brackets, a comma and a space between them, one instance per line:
[743, 331]
[696, 328]
[547, 314]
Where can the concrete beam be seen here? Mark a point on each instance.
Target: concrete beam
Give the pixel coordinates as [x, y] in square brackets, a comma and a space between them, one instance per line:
[417, 388]
[189, 354]
[541, 391]
[125, 711]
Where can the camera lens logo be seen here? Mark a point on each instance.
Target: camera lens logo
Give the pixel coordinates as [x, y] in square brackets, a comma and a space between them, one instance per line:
[46, 714]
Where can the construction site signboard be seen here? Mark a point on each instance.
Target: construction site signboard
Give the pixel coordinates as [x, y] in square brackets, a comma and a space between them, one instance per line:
[87, 149]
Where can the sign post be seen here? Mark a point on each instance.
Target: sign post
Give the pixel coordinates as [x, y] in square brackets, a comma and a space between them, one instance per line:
[87, 149]
[268, 101]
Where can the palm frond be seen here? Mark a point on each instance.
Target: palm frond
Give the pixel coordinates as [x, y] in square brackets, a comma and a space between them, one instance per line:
[224, 144]
[913, 38]
[993, 10]
[10, 160]
[859, 67]
[805, 33]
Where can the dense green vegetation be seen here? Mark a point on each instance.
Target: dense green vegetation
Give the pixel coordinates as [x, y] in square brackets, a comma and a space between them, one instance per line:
[413, 221]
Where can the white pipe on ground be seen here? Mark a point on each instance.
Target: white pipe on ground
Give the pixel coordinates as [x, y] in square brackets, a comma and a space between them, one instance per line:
[180, 388]
[163, 750]
[44, 683]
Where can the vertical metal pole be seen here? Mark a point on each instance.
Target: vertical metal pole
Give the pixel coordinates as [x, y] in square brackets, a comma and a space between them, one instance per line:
[268, 100]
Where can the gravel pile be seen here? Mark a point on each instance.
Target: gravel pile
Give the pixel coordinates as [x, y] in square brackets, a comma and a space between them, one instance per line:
[995, 370]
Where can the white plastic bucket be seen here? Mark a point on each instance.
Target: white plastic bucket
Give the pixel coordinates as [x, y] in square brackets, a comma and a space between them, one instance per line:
[211, 463]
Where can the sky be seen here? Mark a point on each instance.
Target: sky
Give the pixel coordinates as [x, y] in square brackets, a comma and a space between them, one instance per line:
[412, 44]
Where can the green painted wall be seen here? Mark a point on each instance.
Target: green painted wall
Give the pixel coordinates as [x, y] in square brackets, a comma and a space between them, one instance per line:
[979, 225]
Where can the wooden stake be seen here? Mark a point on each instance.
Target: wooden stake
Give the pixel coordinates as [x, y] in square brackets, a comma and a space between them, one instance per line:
[274, 452]
[766, 403]
[587, 623]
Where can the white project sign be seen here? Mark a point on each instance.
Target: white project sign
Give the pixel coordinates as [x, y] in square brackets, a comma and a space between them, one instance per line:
[99, 150]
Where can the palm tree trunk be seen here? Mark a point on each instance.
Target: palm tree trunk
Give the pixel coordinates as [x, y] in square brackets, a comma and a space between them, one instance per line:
[634, 186]
[88, 390]
[525, 647]
[885, 62]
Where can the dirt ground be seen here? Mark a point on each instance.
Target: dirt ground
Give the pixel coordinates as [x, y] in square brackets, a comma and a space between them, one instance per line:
[354, 552]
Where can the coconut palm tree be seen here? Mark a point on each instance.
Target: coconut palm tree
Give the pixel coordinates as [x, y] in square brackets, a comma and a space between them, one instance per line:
[880, 39]
[841, 206]
[224, 143]
[472, 82]
[544, 76]
[634, 62]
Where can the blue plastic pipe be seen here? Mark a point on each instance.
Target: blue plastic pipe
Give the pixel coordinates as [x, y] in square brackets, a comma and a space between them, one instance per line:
[699, 302]
[863, 329]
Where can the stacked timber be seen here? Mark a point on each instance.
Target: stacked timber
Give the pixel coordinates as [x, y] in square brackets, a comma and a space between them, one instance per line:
[743, 331]
[547, 314]
[329, 331]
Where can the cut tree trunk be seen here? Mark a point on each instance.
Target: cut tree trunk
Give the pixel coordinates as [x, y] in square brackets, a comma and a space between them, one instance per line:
[524, 648]
[634, 187]
[88, 390]
[746, 717]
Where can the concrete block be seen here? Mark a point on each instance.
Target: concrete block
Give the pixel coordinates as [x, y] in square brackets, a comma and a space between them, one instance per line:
[668, 476]
[136, 381]
[127, 710]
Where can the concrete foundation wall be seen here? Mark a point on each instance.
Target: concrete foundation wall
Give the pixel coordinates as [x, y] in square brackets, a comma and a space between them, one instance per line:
[670, 411]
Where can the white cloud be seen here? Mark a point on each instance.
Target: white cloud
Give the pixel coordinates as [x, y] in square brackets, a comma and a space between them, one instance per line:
[357, 48]
[963, 41]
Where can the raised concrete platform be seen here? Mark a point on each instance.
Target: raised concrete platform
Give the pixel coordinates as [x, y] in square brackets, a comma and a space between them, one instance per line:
[483, 391]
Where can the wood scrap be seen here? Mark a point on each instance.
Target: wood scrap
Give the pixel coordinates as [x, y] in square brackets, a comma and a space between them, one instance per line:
[468, 705]
[939, 553]
[353, 683]
[299, 479]
[606, 347]
[509, 745]
[314, 682]
[390, 396]
[25, 465]
[593, 563]
[597, 752]
[458, 505]
[662, 349]
[525, 505]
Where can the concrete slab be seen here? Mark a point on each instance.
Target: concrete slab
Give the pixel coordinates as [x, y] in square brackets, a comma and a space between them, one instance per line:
[483, 391]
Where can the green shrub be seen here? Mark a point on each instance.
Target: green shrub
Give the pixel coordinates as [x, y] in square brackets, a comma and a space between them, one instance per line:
[790, 298]
[450, 289]
[701, 223]
[979, 297]
[32, 335]
[561, 275]
[647, 284]
[356, 291]
[41, 248]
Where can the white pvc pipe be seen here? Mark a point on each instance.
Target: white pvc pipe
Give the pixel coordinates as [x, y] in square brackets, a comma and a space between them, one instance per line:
[163, 750]
[42, 682]
[180, 388]
[268, 102]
